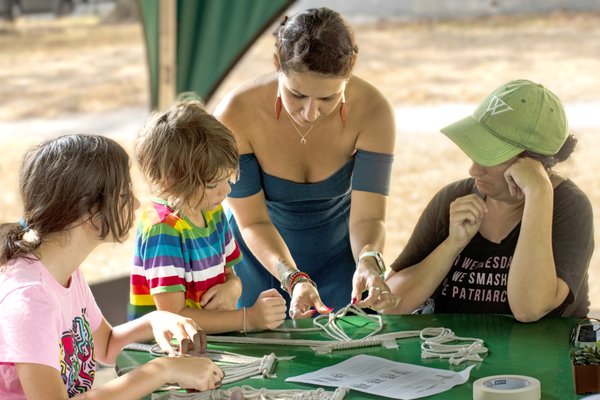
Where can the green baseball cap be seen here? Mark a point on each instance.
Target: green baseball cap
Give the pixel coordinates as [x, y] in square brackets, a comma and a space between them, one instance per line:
[519, 115]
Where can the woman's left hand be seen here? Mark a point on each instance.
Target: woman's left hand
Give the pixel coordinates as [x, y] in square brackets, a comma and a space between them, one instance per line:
[367, 278]
[166, 326]
[306, 302]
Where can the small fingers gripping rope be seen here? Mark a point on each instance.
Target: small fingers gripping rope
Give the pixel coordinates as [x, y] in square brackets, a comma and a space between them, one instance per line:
[235, 366]
[250, 393]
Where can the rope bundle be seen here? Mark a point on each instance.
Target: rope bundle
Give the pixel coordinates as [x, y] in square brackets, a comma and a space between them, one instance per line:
[235, 366]
[443, 343]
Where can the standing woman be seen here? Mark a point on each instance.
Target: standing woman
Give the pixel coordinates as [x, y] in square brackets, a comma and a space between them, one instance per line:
[316, 147]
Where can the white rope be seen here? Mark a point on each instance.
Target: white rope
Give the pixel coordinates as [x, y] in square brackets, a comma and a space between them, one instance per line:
[332, 329]
[444, 344]
[250, 393]
[336, 332]
[235, 366]
[340, 340]
[321, 346]
[436, 342]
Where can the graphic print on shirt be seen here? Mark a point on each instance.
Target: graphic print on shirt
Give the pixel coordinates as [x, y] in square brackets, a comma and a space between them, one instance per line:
[477, 281]
[77, 363]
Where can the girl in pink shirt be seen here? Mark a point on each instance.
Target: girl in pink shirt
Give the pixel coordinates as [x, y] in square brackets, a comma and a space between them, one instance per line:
[77, 194]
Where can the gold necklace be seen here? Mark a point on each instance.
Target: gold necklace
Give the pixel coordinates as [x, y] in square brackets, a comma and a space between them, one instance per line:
[302, 137]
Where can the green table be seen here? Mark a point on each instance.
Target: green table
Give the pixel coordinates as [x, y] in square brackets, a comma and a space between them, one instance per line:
[539, 349]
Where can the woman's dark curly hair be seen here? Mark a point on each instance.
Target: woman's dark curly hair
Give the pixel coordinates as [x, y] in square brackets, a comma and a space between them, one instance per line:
[316, 40]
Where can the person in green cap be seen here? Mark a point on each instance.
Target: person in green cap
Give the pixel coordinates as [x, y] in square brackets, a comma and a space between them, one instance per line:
[514, 238]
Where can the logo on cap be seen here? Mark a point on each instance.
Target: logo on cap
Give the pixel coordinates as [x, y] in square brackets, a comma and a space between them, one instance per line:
[497, 106]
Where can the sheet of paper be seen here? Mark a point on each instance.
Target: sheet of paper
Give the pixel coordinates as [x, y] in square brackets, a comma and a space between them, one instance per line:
[376, 375]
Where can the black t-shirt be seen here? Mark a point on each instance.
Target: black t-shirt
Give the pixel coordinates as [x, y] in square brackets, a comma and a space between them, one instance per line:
[477, 280]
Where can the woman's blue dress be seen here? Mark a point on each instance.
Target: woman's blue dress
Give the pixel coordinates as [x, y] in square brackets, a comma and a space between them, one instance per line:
[313, 219]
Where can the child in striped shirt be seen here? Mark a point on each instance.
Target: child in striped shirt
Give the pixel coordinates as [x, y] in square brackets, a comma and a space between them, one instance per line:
[185, 251]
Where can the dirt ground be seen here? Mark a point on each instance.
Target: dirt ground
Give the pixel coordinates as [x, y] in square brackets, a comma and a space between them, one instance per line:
[58, 68]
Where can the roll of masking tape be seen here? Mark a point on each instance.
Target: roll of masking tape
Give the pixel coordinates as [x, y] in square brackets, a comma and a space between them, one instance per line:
[507, 387]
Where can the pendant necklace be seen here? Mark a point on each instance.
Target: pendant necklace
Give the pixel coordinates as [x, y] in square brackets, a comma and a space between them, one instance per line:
[302, 137]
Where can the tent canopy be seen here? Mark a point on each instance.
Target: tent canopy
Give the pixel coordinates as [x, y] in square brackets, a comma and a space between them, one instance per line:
[210, 38]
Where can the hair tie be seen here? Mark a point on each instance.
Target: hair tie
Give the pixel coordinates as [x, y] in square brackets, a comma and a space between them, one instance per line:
[24, 225]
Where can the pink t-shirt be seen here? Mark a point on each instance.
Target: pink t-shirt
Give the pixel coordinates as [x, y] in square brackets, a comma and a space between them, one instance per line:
[42, 322]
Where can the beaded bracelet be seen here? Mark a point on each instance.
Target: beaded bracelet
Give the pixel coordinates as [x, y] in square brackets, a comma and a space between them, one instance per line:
[292, 278]
[301, 279]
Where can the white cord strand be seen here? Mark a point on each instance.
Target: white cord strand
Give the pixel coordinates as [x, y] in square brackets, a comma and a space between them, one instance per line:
[250, 393]
[444, 344]
[332, 329]
[340, 340]
[235, 366]
[321, 346]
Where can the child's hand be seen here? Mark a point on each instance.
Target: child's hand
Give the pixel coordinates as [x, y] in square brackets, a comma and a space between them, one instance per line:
[236, 394]
[166, 325]
[198, 373]
[268, 312]
[223, 296]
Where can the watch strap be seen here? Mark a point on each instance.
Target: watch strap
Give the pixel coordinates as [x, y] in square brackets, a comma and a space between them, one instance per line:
[378, 259]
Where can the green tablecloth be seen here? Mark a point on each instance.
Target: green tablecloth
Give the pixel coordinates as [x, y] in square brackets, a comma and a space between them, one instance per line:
[539, 350]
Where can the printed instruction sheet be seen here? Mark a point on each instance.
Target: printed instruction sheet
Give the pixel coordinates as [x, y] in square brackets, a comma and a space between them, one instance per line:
[378, 376]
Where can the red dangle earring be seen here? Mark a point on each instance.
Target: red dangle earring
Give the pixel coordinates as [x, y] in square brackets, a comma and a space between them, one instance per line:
[278, 104]
[343, 109]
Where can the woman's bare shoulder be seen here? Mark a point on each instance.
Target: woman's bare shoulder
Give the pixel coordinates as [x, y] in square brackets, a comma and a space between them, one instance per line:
[249, 90]
[242, 109]
[367, 93]
[373, 116]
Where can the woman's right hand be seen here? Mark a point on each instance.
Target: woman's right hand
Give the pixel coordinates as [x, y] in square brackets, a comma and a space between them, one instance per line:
[198, 373]
[268, 312]
[466, 215]
[304, 297]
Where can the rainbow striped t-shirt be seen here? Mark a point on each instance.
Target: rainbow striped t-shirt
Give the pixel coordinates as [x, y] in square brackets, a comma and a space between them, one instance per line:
[174, 255]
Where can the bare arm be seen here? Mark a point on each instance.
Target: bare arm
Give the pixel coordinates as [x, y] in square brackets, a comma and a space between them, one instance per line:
[267, 313]
[533, 286]
[261, 235]
[158, 325]
[418, 282]
[188, 372]
[44, 382]
[415, 284]
[368, 209]
[367, 233]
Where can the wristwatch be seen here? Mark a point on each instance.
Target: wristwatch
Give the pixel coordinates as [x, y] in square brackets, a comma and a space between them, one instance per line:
[378, 259]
